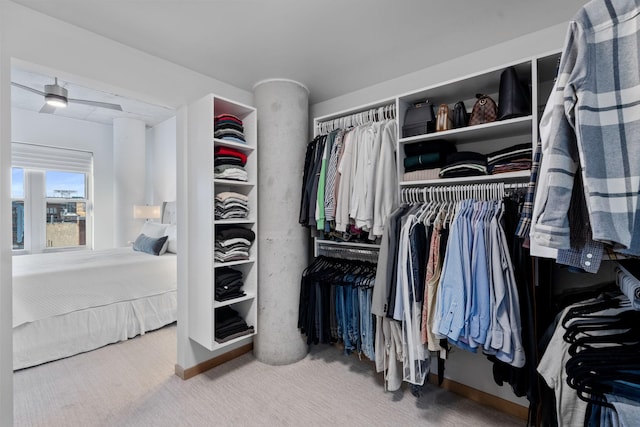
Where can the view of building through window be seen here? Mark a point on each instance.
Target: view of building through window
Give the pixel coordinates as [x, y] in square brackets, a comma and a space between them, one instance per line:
[17, 207]
[66, 217]
[65, 209]
[17, 215]
[66, 224]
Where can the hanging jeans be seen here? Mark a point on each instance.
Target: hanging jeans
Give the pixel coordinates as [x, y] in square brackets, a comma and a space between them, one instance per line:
[353, 317]
[342, 316]
[366, 323]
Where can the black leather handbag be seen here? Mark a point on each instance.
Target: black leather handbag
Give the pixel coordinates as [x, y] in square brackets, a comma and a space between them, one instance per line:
[513, 97]
[460, 115]
[419, 119]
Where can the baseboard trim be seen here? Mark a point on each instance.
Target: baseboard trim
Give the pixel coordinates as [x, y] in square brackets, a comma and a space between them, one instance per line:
[198, 369]
[483, 398]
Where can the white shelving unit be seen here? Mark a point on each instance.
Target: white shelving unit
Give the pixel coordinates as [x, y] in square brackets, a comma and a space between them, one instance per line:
[484, 138]
[202, 223]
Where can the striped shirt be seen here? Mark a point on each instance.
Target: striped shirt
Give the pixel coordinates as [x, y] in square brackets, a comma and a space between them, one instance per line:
[332, 171]
[595, 124]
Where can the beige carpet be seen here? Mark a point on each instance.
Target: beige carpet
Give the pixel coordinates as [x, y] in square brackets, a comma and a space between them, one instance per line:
[132, 384]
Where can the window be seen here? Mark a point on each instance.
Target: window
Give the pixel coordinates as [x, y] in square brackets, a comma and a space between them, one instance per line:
[51, 198]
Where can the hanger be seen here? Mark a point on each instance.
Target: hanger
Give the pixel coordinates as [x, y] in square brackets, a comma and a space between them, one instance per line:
[604, 302]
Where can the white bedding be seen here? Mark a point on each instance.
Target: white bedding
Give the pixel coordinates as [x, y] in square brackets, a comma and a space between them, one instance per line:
[70, 302]
[46, 285]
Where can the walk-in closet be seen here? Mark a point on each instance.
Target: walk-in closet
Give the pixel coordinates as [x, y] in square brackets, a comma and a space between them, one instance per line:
[381, 213]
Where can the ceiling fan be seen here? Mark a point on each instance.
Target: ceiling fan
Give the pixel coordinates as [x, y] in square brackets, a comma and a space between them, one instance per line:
[55, 96]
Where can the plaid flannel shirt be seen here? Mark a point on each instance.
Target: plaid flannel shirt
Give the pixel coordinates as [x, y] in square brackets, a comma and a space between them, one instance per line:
[595, 123]
[524, 224]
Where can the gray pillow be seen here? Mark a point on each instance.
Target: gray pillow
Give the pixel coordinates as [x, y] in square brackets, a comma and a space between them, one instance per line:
[150, 245]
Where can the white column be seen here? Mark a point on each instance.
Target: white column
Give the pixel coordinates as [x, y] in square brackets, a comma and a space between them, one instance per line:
[129, 164]
[283, 111]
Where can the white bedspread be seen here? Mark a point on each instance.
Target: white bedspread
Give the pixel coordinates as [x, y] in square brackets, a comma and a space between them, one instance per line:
[46, 285]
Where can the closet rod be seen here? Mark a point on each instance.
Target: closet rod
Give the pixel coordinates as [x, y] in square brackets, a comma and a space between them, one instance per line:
[348, 252]
[385, 112]
[455, 193]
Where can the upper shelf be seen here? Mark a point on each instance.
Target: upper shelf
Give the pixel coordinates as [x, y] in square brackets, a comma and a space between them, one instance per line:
[483, 132]
[232, 183]
[222, 105]
[231, 144]
[465, 88]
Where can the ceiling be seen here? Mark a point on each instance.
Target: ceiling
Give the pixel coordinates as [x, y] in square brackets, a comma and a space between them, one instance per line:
[331, 46]
[150, 114]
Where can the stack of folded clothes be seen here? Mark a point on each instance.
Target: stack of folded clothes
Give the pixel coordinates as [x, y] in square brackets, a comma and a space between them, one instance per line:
[229, 128]
[511, 159]
[230, 204]
[233, 243]
[464, 163]
[425, 158]
[228, 284]
[230, 325]
[229, 164]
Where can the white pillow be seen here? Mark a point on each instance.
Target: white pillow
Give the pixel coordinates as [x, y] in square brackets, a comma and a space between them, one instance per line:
[153, 229]
[172, 241]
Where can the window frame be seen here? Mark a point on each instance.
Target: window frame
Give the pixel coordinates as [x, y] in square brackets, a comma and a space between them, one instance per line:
[26, 234]
[36, 202]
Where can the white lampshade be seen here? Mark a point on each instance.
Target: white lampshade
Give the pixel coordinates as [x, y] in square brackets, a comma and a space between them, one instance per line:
[146, 212]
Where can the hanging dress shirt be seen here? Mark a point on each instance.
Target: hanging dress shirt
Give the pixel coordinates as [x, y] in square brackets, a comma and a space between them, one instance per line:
[386, 179]
[344, 190]
[366, 163]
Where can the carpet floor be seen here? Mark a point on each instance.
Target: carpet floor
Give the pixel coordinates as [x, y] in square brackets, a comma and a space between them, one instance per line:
[133, 384]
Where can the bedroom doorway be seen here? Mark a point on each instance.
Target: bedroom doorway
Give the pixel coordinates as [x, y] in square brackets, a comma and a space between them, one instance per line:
[114, 132]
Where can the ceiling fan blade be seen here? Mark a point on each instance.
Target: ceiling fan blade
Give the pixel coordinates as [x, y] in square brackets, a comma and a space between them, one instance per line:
[96, 104]
[30, 89]
[49, 109]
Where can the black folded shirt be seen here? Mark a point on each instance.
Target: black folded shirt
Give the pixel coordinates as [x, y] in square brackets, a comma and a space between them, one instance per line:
[432, 146]
[232, 232]
[464, 163]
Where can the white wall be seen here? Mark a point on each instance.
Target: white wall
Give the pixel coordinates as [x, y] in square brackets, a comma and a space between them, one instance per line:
[463, 367]
[57, 131]
[161, 162]
[90, 60]
[129, 164]
[6, 312]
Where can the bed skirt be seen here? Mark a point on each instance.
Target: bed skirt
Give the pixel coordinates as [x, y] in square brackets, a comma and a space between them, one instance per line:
[68, 334]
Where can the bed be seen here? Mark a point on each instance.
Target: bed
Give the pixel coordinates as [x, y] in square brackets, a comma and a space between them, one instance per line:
[67, 303]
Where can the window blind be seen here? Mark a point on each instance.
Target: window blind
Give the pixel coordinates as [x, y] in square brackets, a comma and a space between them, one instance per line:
[32, 156]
